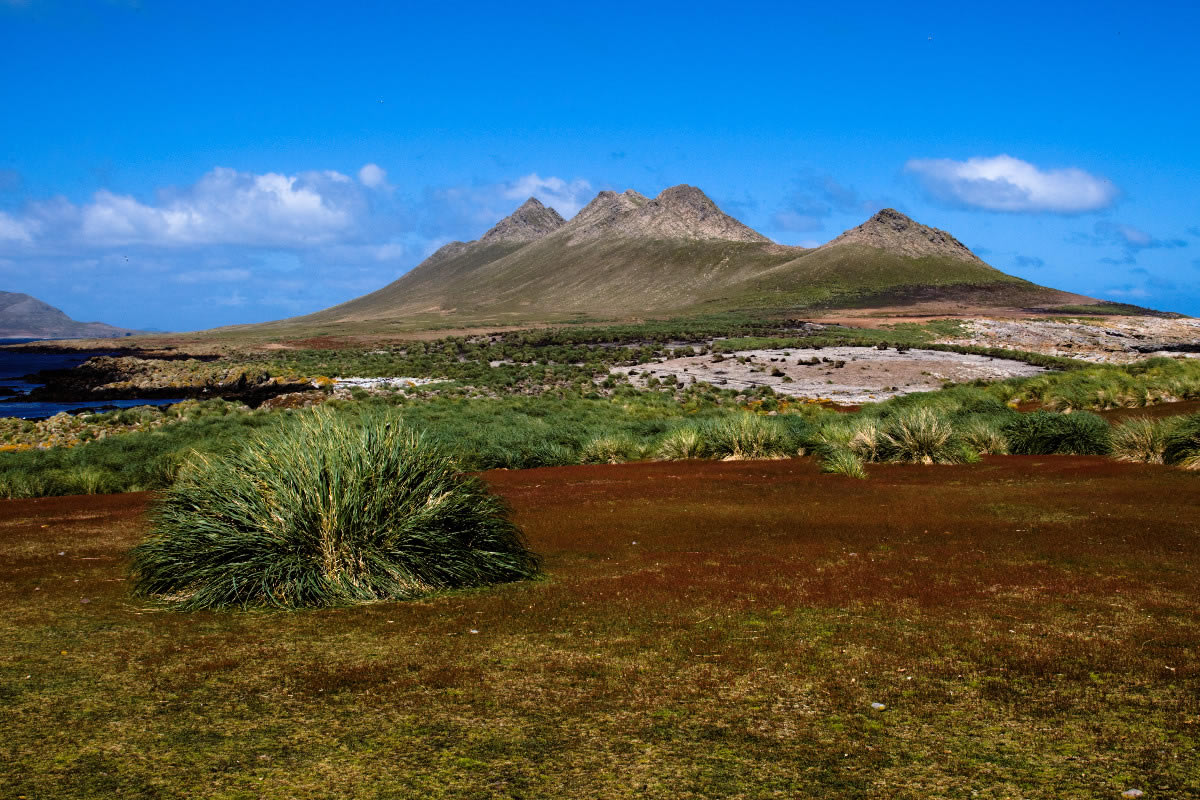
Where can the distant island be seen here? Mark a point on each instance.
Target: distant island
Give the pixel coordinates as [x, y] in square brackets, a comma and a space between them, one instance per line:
[26, 317]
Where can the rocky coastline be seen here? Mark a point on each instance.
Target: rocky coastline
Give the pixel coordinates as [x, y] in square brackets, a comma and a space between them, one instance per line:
[130, 377]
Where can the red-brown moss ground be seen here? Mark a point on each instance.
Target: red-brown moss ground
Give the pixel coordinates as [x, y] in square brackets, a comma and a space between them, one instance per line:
[705, 630]
[1153, 412]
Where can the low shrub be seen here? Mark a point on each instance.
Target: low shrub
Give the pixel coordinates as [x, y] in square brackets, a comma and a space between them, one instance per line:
[326, 510]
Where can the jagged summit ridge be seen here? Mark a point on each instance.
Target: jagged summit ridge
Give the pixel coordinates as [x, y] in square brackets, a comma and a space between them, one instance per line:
[528, 223]
[899, 234]
[680, 212]
[605, 214]
[685, 212]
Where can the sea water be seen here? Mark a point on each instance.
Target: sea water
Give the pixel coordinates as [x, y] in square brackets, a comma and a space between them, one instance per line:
[15, 366]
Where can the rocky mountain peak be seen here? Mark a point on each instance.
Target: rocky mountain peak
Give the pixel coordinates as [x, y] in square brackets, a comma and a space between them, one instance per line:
[603, 214]
[685, 196]
[528, 223]
[680, 212]
[685, 212]
[897, 233]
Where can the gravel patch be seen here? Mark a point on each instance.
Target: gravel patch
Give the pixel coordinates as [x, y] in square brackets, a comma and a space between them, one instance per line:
[1113, 340]
[383, 383]
[848, 375]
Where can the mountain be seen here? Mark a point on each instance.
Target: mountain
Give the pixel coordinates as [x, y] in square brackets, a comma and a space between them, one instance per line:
[529, 222]
[25, 317]
[628, 255]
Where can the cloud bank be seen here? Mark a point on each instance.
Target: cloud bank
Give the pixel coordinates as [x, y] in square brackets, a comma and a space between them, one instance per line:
[229, 207]
[288, 243]
[1004, 183]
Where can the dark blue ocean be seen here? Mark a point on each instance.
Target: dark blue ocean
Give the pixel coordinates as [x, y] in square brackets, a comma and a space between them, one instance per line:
[13, 366]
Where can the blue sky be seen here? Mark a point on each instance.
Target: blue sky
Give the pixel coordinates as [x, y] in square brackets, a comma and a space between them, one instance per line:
[186, 165]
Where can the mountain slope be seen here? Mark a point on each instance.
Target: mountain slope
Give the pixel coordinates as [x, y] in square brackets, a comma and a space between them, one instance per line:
[892, 260]
[627, 255]
[26, 317]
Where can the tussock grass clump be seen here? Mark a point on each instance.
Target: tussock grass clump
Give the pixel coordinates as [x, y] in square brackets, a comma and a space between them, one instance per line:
[610, 450]
[747, 435]
[857, 434]
[17, 484]
[842, 461]
[326, 510]
[1155, 380]
[1141, 440]
[984, 436]
[680, 444]
[1182, 447]
[866, 439]
[1042, 434]
[921, 436]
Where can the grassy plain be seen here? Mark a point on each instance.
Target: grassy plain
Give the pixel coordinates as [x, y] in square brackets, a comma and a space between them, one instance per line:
[705, 629]
[547, 409]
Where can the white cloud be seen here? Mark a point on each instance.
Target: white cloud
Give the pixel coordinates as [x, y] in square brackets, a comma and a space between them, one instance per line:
[373, 176]
[565, 197]
[213, 275]
[362, 253]
[1004, 183]
[1135, 292]
[12, 229]
[796, 221]
[465, 212]
[234, 299]
[229, 207]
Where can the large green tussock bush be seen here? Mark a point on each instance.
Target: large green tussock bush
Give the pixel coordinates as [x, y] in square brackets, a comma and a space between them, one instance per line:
[1042, 433]
[326, 510]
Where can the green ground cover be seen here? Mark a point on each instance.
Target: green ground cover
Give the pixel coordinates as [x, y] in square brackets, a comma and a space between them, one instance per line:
[614, 422]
